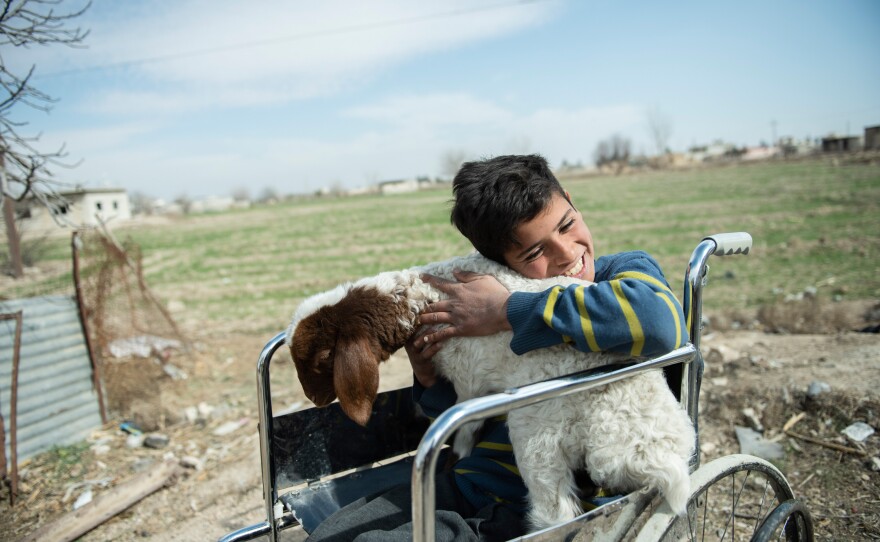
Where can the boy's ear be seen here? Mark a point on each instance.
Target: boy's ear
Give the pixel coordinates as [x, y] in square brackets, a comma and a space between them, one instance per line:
[356, 378]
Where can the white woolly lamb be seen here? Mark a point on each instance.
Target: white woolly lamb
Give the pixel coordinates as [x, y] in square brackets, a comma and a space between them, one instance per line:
[628, 434]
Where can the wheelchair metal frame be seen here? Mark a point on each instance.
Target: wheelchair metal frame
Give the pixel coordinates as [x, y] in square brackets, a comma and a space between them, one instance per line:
[428, 451]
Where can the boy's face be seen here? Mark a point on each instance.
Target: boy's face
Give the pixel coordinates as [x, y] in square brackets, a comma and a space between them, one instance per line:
[556, 242]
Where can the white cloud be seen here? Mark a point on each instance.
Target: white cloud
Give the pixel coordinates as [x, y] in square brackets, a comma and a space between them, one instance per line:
[190, 55]
[99, 138]
[428, 127]
[178, 100]
[305, 47]
[430, 110]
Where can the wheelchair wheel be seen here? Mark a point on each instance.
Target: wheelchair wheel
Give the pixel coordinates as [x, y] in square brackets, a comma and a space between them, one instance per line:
[733, 498]
[789, 521]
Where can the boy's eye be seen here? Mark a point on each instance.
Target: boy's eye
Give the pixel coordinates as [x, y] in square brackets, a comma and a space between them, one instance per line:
[534, 255]
[567, 226]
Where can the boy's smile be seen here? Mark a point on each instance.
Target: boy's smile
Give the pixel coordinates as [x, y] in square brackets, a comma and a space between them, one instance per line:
[556, 242]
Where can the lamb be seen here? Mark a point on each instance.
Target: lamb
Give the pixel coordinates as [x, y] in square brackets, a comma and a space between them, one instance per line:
[628, 434]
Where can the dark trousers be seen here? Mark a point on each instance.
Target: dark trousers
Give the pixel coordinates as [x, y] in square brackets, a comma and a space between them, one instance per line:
[388, 517]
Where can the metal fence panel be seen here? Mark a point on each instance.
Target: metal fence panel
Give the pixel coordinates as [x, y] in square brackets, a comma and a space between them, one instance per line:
[57, 403]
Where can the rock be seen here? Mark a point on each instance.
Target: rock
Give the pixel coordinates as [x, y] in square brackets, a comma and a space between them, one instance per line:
[175, 372]
[858, 431]
[205, 410]
[721, 354]
[156, 441]
[817, 388]
[753, 443]
[753, 419]
[191, 462]
[191, 414]
[135, 441]
[84, 498]
[142, 464]
[874, 464]
[229, 427]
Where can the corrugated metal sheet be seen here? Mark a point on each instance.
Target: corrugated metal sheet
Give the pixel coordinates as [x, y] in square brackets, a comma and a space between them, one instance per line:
[57, 403]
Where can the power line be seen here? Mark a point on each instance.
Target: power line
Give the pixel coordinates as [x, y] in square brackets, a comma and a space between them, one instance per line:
[285, 39]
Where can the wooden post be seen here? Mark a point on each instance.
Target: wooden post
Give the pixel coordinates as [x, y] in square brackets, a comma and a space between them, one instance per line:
[13, 404]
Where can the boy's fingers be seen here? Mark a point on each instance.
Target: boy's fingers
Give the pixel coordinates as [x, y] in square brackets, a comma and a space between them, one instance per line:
[435, 313]
[440, 335]
[437, 282]
[466, 276]
[428, 353]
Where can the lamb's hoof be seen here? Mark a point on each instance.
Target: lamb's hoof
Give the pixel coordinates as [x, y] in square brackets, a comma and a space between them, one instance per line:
[677, 495]
[565, 511]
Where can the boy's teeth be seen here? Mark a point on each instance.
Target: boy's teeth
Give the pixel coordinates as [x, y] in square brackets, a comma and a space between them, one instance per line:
[576, 269]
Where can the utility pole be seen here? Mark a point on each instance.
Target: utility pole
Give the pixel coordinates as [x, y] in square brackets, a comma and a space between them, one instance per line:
[773, 133]
[12, 237]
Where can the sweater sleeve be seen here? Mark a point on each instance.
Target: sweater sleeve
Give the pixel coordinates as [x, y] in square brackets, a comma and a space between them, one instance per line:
[630, 309]
[436, 399]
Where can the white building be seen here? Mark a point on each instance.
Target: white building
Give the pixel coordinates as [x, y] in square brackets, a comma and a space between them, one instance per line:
[83, 207]
[399, 186]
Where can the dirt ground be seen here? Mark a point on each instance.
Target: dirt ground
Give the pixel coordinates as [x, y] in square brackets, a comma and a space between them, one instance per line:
[210, 420]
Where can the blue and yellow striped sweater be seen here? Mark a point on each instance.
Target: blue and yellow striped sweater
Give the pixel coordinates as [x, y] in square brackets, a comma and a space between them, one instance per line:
[630, 309]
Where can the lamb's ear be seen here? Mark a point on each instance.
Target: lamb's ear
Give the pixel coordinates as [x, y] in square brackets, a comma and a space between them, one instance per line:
[356, 378]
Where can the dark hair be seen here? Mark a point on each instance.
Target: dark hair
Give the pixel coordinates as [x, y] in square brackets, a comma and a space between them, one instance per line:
[494, 196]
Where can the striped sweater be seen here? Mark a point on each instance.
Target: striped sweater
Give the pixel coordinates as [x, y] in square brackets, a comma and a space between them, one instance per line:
[630, 309]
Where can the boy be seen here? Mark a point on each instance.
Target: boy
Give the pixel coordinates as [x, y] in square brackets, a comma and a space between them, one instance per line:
[514, 211]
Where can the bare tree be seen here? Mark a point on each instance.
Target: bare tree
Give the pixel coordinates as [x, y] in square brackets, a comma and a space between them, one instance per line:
[141, 203]
[185, 203]
[613, 151]
[269, 195]
[26, 168]
[659, 128]
[241, 194]
[452, 161]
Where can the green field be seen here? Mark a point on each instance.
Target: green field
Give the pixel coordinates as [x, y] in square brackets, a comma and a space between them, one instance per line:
[813, 224]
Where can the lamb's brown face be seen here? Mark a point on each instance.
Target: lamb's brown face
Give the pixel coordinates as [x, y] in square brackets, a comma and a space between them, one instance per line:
[337, 350]
[313, 349]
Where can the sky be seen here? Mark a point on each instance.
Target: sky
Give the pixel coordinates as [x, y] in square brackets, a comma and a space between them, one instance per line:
[210, 97]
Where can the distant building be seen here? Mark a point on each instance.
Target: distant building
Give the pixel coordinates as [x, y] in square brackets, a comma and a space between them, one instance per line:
[705, 153]
[835, 143]
[82, 207]
[760, 153]
[872, 138]
[216, 204]
[399, 186]
[796, 147]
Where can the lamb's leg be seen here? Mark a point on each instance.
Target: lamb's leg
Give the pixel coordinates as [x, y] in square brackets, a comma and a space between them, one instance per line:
[545, 469]
[465, 438]
[640, 436]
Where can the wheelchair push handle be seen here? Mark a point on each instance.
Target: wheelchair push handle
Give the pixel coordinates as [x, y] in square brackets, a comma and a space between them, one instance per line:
[728, 244]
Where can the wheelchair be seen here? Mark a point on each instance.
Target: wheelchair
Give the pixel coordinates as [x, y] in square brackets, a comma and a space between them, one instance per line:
[321, 460]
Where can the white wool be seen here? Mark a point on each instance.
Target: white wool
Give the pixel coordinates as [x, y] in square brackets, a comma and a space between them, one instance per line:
[628, 434]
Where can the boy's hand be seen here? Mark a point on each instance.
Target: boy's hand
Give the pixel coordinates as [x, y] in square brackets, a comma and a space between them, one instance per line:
[477, 306]
[420, 354]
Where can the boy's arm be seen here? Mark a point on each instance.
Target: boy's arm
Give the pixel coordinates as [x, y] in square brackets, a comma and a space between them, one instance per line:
[436, 399]
[630, 309]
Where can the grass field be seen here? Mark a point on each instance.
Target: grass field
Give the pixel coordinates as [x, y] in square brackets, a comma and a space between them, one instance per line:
[813, 224]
